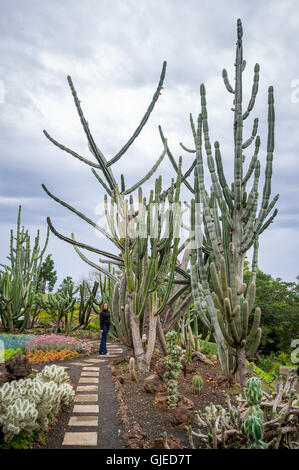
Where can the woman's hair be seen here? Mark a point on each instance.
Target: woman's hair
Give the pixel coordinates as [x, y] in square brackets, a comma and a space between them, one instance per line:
[105, 303]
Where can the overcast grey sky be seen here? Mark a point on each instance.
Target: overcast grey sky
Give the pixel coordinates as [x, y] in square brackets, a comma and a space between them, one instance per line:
[114, 51]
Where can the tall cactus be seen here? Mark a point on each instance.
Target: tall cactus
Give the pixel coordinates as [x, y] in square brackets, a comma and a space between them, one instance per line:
[148, 239]
[18, 283]
[174, 307]
[101, 163]
[237, 227]
[231, 220]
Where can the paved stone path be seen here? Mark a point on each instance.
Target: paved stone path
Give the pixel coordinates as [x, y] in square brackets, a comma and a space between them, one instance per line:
[85, 424]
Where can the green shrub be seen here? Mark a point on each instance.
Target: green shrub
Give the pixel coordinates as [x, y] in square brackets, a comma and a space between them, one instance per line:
[272, 362]
[210, 348]
[92, 327]
[44, 318]
[8, 353]
[267, 378]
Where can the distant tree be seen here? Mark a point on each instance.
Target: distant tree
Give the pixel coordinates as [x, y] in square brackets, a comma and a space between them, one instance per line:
[47, 276]
[279, 303]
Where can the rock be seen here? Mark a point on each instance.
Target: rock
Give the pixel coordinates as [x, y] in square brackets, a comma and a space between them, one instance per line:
[153, 384]
[134, 437]
[184, 401]
[173, 443]
[198, 356]
[119, 360]
[182, 416]
[18, 367]
[187, 368]
[160, 401]
[223, 380]
[160, 367]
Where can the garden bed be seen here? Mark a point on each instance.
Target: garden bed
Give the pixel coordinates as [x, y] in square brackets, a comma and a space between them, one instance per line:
[153, 419]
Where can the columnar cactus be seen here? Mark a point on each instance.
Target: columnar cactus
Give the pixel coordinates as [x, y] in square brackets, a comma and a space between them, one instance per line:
[232, 222]
[254, 425]
[173, 365]
[18, 283]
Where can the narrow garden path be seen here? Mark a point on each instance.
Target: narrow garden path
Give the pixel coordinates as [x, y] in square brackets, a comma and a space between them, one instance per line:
[92, 421]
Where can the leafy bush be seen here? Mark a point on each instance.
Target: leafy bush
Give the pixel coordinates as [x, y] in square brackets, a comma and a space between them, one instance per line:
[210, 348]
[92, 327]
[8, 353]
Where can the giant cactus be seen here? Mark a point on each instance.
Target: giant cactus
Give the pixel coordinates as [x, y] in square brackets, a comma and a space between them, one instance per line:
[231, 220]
[110, 184]
[148, 240]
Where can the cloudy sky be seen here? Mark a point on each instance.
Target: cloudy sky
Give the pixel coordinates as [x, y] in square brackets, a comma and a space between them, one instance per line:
[114, 51]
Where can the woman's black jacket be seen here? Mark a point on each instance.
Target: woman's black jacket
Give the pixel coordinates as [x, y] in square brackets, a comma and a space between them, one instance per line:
[104, 319]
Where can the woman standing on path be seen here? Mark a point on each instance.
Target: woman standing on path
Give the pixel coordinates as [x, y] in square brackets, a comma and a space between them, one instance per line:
[104, 327]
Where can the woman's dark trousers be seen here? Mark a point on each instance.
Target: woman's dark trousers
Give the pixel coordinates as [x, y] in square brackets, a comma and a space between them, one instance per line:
[103, 348]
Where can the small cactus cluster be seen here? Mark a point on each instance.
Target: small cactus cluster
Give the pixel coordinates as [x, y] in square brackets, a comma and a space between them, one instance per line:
[261, 421]
[27, 404]
[173, 365]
